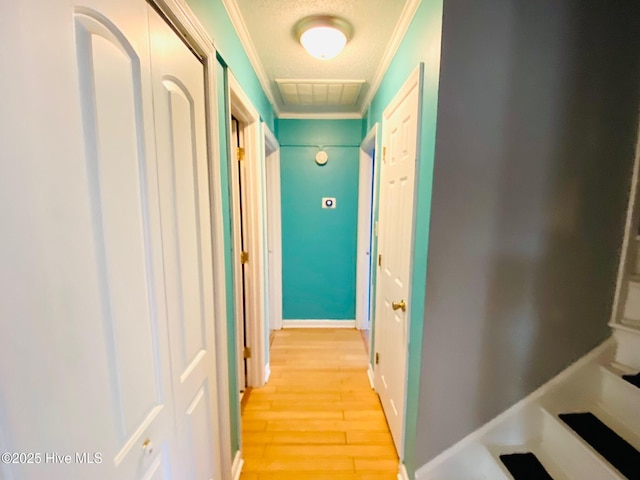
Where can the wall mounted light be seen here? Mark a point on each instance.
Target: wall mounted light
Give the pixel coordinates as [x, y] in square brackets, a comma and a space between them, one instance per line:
[323, 36]
[322, 157]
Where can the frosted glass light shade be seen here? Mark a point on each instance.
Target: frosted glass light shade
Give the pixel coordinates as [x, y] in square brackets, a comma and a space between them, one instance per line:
[323, 36]
[323, 42]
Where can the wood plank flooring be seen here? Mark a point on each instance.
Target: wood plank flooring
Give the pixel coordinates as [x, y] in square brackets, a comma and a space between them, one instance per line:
[317, 418]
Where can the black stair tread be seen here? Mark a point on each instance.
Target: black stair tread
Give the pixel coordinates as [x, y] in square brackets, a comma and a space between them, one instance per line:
[633, 379]
[615, 449]
[525, 466]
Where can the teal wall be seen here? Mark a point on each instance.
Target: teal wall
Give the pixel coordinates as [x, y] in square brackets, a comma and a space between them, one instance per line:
[319, 245]
[421, 44]
[214, 18]
[223, 113]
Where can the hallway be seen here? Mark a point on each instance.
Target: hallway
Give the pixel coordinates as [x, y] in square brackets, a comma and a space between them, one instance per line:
[317, 417]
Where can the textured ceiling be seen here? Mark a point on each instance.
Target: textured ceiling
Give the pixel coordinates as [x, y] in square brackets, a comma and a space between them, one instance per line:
[270, 23]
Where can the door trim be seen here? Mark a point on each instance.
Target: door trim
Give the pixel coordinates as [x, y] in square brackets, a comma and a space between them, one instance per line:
[185, 22]
[274, 228]
[414, 81]
[365, 229]
[241, 107]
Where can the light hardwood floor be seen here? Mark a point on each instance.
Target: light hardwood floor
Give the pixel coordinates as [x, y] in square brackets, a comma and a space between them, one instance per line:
[317, 418]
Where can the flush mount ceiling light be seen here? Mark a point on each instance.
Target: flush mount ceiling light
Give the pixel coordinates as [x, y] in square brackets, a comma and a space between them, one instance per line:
[323, 36]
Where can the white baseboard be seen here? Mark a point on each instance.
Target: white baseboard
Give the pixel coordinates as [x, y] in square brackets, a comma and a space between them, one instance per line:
[402, 473]
[370, 375]
[236, 468]
[267, 372]
[476, 437]
[313, 323]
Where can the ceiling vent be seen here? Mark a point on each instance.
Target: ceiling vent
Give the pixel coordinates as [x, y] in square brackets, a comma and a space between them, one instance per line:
[320, 92]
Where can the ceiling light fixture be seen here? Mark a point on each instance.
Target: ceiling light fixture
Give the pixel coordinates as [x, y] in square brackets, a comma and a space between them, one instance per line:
[323, 36]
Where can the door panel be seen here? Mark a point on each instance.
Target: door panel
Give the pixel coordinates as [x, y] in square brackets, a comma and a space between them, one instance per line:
[86, 319]
[125, 229]
[400, 127]
[179, 100]
[116, 172]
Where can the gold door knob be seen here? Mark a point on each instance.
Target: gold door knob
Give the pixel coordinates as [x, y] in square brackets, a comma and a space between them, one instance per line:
[399, 306]
[147, 447]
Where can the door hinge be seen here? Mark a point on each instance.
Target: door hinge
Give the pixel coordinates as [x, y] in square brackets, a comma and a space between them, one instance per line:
[380, 260]
[384, 154]
[246, 352]
[377, 358]
[244, 257]
[240, 153]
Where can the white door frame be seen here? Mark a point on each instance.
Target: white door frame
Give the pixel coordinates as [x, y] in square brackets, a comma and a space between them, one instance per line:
[185, 22]
[274, 228]
[365, 230]
[414, 81]
[241, 108]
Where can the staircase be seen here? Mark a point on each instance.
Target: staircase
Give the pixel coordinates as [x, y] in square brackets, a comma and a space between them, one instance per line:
[584, 425]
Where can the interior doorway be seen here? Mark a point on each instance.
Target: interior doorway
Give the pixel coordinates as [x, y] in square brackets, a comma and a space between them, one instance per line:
[247, 182]
[241, 249]
[274, 230]
[366, 198]
[400, 127]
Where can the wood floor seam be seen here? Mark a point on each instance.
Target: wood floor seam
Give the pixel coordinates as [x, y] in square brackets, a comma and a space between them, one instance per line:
[318, 417]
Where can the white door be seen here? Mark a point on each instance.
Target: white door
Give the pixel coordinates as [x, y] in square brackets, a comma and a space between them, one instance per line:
[395, 241]
[112, 56]
[179, 106]
[84, 345]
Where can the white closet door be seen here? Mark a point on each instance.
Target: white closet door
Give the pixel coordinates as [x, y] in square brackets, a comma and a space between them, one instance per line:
[179, 104]
[84, 351]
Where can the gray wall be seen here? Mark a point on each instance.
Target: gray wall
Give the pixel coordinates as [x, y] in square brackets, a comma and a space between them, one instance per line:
[537, 123]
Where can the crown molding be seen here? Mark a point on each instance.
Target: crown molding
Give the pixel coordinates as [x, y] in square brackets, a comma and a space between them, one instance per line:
[245, 39]
[399, 32]
[320, 116]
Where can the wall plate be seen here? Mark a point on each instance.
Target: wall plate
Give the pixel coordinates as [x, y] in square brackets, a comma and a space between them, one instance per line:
[328, 202]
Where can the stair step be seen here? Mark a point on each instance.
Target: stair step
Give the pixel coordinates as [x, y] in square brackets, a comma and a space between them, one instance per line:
[606, 442]
[525, 466]
[633, 379]
[576, 458]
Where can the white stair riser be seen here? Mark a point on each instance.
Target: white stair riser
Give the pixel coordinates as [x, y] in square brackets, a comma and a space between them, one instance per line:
[628, 350]
[621, 400]
[632, 302]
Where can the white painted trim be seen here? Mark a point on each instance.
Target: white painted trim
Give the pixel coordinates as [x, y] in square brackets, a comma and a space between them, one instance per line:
[364, 263]
[370, 375]
[274, 228]
[320, 116]
[186, 22]
[238, 463]
[245, 39]
[267, 373]
[402, 472]
[628, 240]
[270, 141]
[475, 437]
[242, 108]
[408, 12]
[412, 82]
[313, 323]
